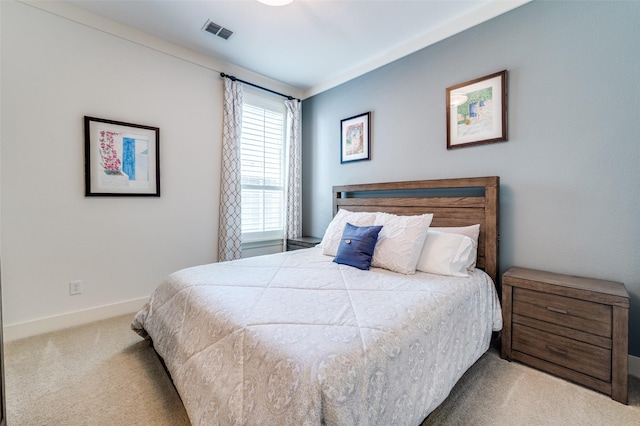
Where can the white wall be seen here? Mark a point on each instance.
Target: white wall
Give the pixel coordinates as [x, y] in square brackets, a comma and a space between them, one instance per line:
[54, 72]
[570, 172]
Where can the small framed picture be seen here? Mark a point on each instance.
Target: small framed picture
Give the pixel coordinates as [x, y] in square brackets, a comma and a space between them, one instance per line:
[354, 138]
[477, 111]
[121, 159]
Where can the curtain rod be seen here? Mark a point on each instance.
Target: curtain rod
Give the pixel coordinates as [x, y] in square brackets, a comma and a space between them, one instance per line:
[233, 78]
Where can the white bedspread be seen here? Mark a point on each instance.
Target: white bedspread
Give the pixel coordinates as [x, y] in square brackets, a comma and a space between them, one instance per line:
[295, 339]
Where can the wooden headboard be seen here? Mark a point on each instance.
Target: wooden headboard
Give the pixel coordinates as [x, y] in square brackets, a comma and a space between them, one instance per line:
[453, 202]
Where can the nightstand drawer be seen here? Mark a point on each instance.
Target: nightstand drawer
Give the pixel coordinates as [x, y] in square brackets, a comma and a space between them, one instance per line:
[574, 327]
[580, 315]
[578, 356]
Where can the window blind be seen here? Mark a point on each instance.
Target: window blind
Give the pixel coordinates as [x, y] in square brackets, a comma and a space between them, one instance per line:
[262, 156]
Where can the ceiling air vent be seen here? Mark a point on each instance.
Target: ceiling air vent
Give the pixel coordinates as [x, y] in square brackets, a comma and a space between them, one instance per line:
[225, 33]
[216, 29]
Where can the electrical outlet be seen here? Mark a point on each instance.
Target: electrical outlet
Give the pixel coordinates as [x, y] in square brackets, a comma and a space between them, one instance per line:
[75, 287]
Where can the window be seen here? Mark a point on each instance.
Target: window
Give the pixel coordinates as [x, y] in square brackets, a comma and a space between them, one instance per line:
[262, 157]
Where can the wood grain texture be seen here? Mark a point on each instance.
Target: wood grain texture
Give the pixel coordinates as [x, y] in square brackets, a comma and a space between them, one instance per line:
[565, 373]
[620, 354]
[569, 353]
[590, 317]
[601, 291]
[561, 330]
[573, 327]
[447, 209]
[507, 316]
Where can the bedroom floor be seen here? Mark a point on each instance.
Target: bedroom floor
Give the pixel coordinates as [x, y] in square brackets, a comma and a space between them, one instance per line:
[103, 373]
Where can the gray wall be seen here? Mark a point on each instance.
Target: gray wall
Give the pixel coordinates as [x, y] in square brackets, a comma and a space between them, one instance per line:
[570, 172]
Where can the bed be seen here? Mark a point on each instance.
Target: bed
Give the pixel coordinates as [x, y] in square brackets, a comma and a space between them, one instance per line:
[295, 338]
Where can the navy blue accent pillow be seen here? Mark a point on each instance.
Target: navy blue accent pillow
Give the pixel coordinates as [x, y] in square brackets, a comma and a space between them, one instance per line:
[356, 246]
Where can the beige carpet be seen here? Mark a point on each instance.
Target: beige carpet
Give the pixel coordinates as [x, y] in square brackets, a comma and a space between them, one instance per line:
[104, 374]
[99, 374]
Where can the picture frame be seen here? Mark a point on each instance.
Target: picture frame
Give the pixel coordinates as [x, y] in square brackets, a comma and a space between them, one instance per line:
[477, 111]
[355, 143]
[121, 159]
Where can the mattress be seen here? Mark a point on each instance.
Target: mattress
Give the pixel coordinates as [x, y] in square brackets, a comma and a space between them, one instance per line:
[296, 339]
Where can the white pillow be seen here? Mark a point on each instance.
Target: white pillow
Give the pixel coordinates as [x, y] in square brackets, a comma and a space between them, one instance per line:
[333, 233]
[471, 231]
[400, 241]
[447, 254]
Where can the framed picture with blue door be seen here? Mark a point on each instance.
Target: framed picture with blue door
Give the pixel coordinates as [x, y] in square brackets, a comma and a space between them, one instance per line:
[477, 111]
[121, 159]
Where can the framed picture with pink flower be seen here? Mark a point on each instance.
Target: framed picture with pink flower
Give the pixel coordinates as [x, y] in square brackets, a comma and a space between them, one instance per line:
[121, 159]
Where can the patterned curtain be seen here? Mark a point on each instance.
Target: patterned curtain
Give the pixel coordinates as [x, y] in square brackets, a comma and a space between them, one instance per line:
[230, 234]
[293, 195]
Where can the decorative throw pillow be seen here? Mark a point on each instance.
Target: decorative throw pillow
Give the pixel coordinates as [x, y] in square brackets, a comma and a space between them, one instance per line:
[447, 254]
[334, 231]
[357, 245]
[471, 231]
[400, 241]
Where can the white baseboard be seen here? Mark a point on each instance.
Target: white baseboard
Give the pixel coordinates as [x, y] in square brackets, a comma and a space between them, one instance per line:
[634, 366]
[59, 322]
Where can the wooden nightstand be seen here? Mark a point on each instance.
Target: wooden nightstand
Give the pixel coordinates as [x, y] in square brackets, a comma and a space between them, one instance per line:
[302, 242]
[573, 327]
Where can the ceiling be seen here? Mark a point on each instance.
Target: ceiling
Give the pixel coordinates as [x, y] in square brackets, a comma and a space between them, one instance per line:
[310, 45]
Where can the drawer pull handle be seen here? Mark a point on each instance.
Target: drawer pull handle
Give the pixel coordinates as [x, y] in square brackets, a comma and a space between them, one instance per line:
[556, 350]
[557, 310]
